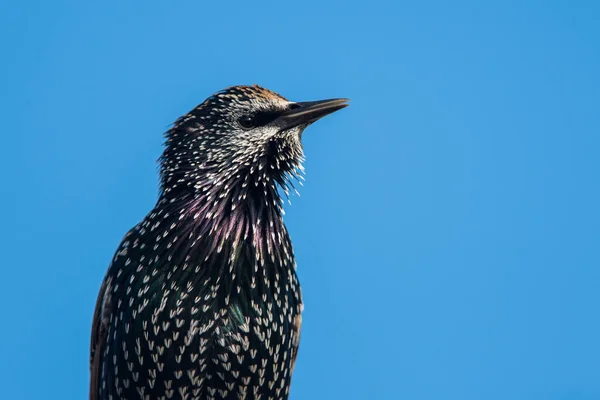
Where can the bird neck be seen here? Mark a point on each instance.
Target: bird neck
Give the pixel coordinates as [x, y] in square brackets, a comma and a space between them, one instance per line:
[232, 220]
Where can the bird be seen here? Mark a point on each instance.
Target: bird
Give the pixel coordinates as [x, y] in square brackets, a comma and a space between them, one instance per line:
[201, 299]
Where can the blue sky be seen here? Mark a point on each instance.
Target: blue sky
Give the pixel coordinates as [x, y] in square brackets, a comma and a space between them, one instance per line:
[447, 234]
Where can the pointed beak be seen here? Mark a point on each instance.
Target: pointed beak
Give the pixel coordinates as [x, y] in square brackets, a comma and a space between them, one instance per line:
[305, 113]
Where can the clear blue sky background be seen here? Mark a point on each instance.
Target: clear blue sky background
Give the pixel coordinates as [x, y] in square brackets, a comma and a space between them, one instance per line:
[447, 235]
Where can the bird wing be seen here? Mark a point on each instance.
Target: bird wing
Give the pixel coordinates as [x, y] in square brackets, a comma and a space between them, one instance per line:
[99, 334]
[101, 319]
[296, 327]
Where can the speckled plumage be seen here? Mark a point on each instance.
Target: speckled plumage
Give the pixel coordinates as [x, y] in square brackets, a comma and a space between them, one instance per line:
[202, 300]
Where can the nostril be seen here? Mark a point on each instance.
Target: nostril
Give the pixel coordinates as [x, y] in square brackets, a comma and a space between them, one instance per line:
[293, 106]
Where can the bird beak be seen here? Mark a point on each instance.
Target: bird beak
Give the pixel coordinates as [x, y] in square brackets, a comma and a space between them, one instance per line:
[305, 113]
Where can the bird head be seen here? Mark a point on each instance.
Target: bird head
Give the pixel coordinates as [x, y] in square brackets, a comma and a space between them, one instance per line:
[245, 135]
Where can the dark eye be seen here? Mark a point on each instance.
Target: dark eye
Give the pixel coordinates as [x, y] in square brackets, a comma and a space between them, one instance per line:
[247, 122]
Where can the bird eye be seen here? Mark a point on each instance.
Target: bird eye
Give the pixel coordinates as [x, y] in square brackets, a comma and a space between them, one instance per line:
[247, 122]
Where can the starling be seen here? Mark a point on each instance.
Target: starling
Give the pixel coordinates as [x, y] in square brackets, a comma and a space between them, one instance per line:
[201, 300]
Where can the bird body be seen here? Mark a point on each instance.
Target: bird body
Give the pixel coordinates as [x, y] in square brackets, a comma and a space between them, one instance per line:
[202, 300]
